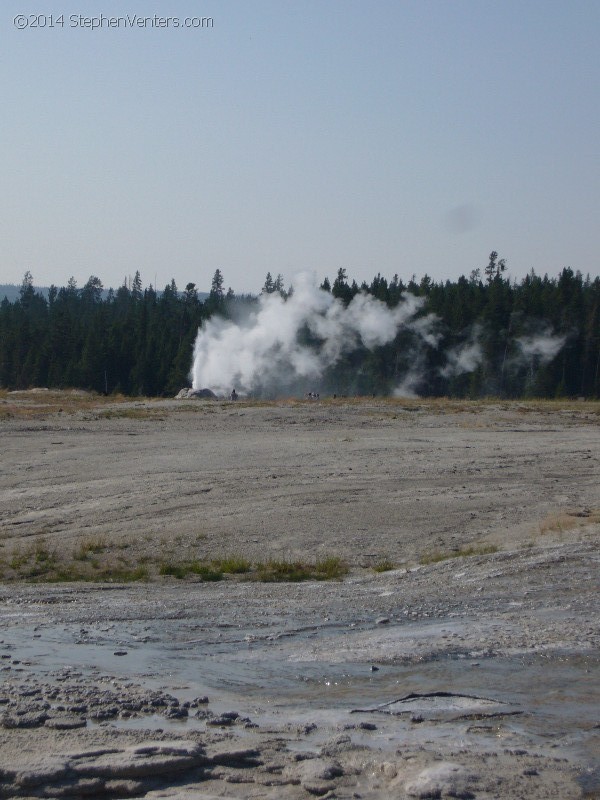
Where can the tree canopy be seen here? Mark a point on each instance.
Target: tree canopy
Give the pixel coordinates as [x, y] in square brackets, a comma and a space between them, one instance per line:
[139, 341]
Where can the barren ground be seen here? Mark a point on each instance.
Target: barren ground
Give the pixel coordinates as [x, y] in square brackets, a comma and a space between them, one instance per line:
[470, 669]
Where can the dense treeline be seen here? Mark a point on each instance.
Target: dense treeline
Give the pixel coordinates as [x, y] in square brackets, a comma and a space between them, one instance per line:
[537, 337]
[134, 341]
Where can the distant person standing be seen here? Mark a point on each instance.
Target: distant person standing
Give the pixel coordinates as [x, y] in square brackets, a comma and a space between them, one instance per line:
[234, 395]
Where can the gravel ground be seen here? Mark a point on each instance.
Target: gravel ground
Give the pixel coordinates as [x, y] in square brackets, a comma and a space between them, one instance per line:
[466, 676]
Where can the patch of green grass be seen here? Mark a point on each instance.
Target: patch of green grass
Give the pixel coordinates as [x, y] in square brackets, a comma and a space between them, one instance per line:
[122, 574]
[185, 568]
[34, 560]
[329, 568]
[274, 571]
[93, 561]
[172, 570]
[35, 571]
[436, 556]
[207, 573]
[232, 565]
[64, 574]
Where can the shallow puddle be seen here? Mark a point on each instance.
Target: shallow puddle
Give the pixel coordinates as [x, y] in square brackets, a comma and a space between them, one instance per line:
[546, 702]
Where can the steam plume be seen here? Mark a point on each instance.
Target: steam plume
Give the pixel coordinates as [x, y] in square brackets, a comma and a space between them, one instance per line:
[543, 346]
[295, 338]
[281, 341]
[464, 358]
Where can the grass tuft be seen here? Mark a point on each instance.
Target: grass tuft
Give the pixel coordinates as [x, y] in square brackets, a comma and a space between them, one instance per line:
[329, 568]
[95, 560]
[385, 565]
[183, 569]
[232, 565]
[561, 521]
[91, 546]
[131, 413]
[274, 571]
[436, 555]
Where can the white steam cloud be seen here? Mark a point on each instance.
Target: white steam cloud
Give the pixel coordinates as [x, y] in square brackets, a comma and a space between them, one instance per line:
[266, 348]
[464, 358]
[411, 381]
[543, 346]
[280, 341]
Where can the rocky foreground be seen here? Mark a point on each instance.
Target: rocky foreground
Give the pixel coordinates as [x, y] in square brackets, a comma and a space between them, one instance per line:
[471, 678]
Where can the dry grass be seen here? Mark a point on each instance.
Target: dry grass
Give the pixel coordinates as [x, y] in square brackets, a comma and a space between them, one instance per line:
[436, 556]
[38, 403]
[561, 521]
[89, 547]
[384, 565]
[90, 561]
[328, 568]
[398, 407]
[132, 413]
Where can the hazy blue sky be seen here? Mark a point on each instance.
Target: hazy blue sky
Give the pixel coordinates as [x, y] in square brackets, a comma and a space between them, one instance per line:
[408, 137]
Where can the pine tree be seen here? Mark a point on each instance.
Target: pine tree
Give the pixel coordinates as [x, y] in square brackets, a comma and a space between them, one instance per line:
[268, 286]
[136, 287]
[340, 288]
[495, 267]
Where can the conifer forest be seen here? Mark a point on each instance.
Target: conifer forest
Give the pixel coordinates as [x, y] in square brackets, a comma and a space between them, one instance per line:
[494, 337]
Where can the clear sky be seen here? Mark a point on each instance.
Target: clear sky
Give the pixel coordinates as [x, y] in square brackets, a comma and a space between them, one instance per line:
[394, 136]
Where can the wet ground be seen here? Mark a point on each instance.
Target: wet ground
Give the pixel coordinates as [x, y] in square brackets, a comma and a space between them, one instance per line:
[447, 682]
[546, 701]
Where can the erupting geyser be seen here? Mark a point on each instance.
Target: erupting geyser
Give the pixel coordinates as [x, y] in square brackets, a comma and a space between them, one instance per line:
[297, 337]
[282, 340]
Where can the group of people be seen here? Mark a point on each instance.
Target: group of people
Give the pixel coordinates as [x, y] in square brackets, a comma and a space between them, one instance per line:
[309, 395]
